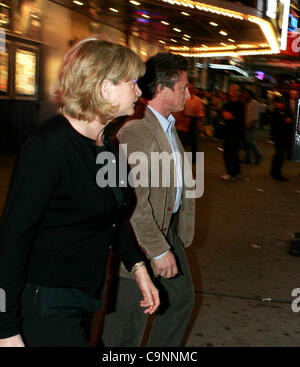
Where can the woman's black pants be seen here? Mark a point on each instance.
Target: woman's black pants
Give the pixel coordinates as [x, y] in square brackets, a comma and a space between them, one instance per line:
[69, 329]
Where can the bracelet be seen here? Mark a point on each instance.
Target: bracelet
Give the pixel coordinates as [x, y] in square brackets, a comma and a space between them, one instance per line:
[137, 266]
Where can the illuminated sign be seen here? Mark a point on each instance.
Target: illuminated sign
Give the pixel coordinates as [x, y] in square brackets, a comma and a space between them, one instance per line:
[229, 67]
[270, 46]
[224, 67]
[260, 75]
[279, 11]
[272, 8]
[285, 23]
[25, 76]
[4, 62]
[293, 22]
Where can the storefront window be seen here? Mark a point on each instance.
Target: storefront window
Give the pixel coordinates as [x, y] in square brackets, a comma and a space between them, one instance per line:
[25, 76]
[28, 18]
[5, 14]
[4, 62]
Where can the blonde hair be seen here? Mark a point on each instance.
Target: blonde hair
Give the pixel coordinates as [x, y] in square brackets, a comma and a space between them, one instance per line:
[86, 65]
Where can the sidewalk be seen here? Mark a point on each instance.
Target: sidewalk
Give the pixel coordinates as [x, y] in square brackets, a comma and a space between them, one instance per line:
[243, 272]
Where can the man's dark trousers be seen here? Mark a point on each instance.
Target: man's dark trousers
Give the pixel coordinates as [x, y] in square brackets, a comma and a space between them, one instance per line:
[125, 327]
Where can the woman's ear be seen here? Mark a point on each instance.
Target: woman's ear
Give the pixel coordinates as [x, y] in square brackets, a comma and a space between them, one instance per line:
[107, 89]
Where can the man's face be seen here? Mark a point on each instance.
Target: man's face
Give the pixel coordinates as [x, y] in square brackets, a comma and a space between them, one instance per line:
[175, 98]
[233, 91]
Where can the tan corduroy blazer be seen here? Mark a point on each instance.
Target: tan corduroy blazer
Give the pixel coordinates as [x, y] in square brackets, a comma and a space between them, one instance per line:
[154, 208]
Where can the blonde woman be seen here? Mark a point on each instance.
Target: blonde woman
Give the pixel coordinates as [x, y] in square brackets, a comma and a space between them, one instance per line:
[59, 224]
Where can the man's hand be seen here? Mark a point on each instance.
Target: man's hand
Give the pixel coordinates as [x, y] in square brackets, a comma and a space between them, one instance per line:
[13, 341]
[166, 265]
[148, 289]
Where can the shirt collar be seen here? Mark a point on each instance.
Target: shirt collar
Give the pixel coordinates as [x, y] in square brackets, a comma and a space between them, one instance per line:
[166, 123]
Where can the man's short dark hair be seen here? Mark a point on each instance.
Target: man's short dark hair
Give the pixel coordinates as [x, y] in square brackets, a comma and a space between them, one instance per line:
[162, 69]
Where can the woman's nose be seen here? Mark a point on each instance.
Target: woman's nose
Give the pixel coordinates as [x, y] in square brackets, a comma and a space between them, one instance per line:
[138, 92]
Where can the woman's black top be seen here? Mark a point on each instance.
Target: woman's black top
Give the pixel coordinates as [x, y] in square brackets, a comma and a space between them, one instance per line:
[58, 224]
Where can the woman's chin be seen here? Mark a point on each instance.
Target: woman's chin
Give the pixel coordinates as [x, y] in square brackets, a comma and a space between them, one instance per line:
[130, 111]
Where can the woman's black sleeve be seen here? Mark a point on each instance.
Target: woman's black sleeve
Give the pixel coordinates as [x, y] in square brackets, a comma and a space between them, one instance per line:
[34, 180]
[126, 247]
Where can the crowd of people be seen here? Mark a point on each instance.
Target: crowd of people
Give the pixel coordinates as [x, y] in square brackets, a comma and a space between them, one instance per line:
[233, 118]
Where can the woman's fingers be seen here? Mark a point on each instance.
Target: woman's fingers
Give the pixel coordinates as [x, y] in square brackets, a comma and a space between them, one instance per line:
[149, 291]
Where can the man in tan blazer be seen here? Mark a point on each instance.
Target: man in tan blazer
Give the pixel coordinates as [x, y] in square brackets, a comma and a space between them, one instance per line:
[163, 219]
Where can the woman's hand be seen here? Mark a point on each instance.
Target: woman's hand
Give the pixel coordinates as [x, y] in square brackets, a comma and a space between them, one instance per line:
[148, 289]
[13, 341]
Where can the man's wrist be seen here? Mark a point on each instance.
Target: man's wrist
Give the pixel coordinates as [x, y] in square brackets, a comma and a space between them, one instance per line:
[161, 255]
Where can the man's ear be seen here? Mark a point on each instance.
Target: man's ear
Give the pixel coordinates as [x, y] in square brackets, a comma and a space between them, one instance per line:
[161, 90]
[107, 89]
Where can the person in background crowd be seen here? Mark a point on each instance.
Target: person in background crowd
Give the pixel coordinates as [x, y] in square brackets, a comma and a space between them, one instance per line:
[204, 96]
[263, 111]
[281, 132]
[190, 121]
[59, 224]
[271, 108]
[233, 116]
[163, 219]
[251, 119]
[194, 110]
[294, 95]
[212, 117]
[218, 123]
[182, 126]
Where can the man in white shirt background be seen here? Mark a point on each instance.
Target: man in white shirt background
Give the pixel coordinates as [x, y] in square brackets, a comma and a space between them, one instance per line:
[251, 120]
